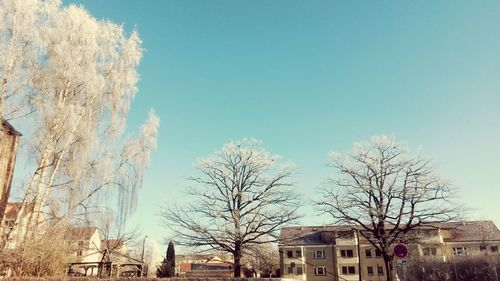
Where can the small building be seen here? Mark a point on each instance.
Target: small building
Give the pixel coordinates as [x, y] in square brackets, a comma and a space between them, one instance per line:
[9, 142]
[88, 255]
[83, 245]
[204, 265]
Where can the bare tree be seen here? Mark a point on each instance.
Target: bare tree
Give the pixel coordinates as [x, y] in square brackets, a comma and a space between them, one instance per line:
[263, 259]
[242, 198]
[385, 192]
[114, 234]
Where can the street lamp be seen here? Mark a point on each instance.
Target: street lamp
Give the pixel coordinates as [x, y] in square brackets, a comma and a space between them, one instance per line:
[142, 256]
[143, 244]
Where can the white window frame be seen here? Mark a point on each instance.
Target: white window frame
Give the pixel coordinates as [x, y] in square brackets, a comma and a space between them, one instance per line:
[460, 251]
[368, 251]
[379, 271]
[429, 251]
[345, 251]
[317, 270]
[347, 267]
[320, 256]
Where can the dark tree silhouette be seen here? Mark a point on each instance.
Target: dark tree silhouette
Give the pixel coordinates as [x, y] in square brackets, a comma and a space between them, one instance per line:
[167, 267]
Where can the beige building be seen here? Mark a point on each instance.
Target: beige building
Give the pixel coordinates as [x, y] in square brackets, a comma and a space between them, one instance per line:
[320, 253]
[83, 244]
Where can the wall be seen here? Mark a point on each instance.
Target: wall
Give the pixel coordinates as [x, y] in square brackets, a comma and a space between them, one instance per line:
[9, 141]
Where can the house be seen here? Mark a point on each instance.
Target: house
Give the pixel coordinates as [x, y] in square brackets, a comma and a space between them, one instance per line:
[9, 142]
[88, 255]
[116, 247]
[10, 215]
[10, 235]
[204, 265]
[83, 245]
[316, 253]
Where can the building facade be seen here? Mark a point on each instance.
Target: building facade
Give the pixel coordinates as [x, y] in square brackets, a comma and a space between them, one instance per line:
[208, 265]
[83, 244]
[320, 253]
[9, 142]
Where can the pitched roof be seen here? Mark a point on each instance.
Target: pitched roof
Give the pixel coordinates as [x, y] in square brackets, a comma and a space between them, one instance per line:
[80, 233]
[461, 231]
[12, 209]
[203, 257]
[312, 235]
[471, 231]
[112, 244]
[9, 129]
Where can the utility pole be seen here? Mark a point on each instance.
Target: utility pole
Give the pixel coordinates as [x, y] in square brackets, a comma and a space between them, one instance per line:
[143, 244]
[359, 255]
[142, 256]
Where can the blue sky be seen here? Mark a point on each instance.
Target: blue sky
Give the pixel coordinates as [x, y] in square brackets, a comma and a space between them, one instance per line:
[309, 77]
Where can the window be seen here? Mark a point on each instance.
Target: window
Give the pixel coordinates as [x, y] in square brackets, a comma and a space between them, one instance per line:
[368, 253]
[320, 270]
[346, 253]
[289, 254]
[482, 247]
[378, 253]
[428, 251]
[298, 253]
[299, 270]
[80, 244]
[319, 254]
[369, 269]
[459, 251]
[78, 253]
[380, 270]
[348, 270]
[494, 249]
[290, 270]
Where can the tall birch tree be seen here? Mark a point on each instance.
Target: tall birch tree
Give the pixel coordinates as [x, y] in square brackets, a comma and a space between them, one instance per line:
[78, 76]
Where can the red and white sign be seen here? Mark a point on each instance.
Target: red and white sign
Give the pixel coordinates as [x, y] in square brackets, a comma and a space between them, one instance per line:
[401, 251]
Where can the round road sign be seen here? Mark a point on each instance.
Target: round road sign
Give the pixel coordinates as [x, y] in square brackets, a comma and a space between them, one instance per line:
[401, 251]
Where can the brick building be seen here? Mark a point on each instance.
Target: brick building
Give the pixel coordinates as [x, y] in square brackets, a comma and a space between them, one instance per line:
[9, 142]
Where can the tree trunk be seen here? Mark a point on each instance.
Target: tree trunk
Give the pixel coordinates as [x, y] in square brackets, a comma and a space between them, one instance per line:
[389, 268]
[237, 259]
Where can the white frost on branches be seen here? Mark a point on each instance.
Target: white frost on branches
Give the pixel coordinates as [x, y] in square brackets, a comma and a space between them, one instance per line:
[77, 75]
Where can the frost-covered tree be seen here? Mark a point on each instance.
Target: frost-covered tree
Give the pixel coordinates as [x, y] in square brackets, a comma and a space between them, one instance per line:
[20, 49]
[243, 196]
[384, 191]
[77, 76]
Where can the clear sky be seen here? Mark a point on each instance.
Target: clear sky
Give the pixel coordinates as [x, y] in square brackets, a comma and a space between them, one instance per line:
[309, 77]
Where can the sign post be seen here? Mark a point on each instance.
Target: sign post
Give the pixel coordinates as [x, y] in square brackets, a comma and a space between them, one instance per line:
[401, 252]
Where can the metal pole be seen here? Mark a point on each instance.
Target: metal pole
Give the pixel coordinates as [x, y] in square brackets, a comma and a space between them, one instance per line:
[359, 255]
